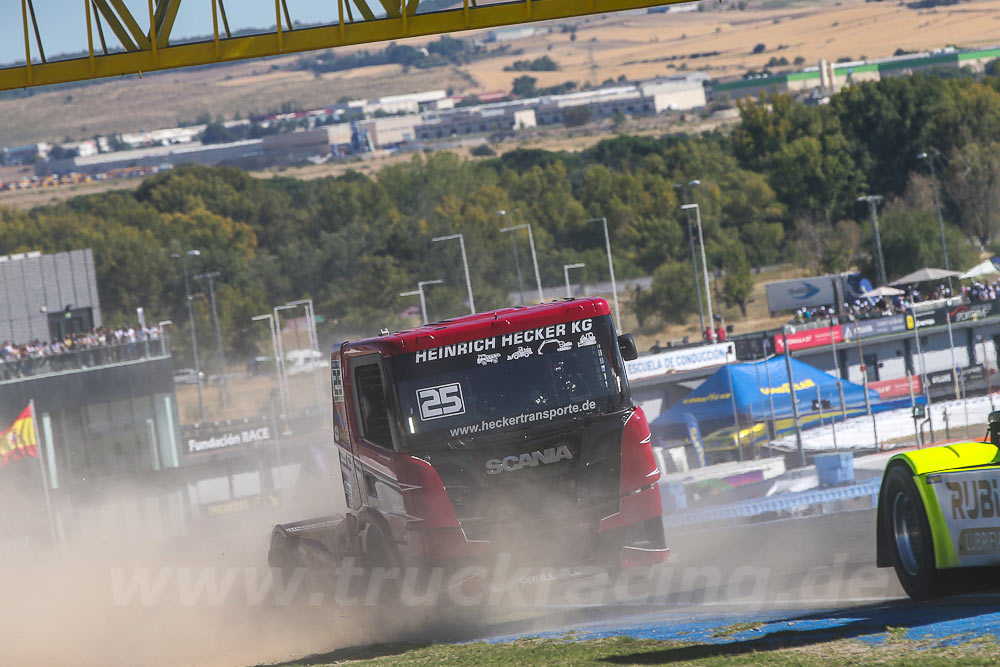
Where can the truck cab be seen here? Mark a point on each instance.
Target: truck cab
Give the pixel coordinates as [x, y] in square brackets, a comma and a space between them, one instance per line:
[507, 432]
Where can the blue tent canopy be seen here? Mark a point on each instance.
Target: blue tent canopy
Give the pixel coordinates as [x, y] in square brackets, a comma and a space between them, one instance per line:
[747, 385]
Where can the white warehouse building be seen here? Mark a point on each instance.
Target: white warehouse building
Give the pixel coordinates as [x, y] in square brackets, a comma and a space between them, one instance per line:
[641, 99]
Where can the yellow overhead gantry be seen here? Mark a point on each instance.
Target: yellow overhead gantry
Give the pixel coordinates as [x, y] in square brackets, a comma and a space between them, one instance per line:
[148, 49]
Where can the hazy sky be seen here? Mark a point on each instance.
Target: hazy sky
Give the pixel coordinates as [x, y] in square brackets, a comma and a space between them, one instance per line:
[63, 24]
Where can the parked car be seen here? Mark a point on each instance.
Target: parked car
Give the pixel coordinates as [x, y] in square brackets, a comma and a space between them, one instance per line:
[304, 361]
[188, 376]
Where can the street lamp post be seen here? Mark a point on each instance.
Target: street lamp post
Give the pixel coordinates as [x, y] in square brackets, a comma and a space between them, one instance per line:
[281, 390]
[313, 343]
[923, 369]
[566, 268]
[704, 267]
[283, 376]
[611, 270]
[211, 276]
[864, 380]
[465, 264]
[694, 261]
[194, 336]
[836, 367]
[937, 206]
[161, 326]
[534, 257]
[420, 292]
[986, 371]
[785, 330]
[951, 346]
[517, 260]
[873, 201]
[310, 321]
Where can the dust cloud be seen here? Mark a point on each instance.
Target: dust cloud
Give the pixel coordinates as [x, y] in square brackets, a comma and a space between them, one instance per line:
[108, 597]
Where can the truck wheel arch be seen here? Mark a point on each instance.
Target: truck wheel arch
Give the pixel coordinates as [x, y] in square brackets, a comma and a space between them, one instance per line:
[374, 529]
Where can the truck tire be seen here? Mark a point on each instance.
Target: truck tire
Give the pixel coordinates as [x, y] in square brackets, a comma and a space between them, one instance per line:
[908, 536]
[283, 557]
[379, 560]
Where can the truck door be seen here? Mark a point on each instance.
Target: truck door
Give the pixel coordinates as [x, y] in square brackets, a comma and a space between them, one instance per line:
[373, 431]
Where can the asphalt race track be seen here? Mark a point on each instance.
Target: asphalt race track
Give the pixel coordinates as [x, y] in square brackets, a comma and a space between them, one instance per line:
[781, 583]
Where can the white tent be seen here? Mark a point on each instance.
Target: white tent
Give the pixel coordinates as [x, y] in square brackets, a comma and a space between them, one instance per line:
[984, 268]
[882, 291]
[924, 275]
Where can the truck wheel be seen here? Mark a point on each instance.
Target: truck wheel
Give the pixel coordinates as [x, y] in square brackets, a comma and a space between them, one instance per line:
[908, 535]
[379, 563]
[283, 557]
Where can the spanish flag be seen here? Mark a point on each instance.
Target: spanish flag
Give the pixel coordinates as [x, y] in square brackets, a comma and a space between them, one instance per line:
[17, 441]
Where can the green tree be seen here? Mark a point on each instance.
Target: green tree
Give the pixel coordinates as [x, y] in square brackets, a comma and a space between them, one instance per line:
[973, 183]
[524, 86]
[673, 296]
[911, 240]
[738, 282]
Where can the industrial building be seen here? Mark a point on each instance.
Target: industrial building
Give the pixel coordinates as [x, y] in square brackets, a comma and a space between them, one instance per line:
[831, 77]
[640, 99]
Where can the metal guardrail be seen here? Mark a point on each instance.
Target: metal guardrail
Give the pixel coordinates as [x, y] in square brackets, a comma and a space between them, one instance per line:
[784, 502]
[83, 359]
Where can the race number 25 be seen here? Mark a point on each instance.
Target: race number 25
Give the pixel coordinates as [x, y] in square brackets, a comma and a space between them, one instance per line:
[442, 401]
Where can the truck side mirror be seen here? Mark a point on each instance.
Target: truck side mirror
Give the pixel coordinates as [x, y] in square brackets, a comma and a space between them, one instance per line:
[994, 420]
[627, 345]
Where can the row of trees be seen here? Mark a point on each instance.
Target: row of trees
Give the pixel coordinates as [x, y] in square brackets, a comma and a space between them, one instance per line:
[781, 186]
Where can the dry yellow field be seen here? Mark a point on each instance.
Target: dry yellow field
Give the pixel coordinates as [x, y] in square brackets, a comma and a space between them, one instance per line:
[637, 45]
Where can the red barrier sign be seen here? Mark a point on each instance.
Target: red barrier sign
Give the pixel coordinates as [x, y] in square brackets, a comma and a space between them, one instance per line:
[898, 387]
[801, 340]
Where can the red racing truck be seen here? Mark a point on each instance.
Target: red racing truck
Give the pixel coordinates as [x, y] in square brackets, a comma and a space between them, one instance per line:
[510, 431]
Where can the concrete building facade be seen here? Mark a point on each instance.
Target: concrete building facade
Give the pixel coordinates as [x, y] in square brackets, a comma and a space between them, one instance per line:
[47, 296]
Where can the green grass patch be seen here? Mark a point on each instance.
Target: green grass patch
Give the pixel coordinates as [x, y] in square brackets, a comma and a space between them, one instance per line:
[806, 649]
[736, 628]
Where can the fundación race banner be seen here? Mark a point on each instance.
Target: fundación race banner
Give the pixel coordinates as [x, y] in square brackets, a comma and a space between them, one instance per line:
[17, 441]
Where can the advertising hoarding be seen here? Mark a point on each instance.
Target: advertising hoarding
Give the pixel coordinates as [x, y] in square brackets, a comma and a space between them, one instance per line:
[685, 359]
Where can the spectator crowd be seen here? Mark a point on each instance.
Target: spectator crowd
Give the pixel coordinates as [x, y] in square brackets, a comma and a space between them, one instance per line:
[79, 350]
[870, 308]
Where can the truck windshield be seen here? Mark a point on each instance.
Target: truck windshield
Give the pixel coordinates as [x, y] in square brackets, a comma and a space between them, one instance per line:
[481, 388]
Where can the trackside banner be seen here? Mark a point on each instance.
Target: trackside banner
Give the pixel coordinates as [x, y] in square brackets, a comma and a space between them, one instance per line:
[248, 436]
[801, 340]
[819, 336]
[686, 359]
